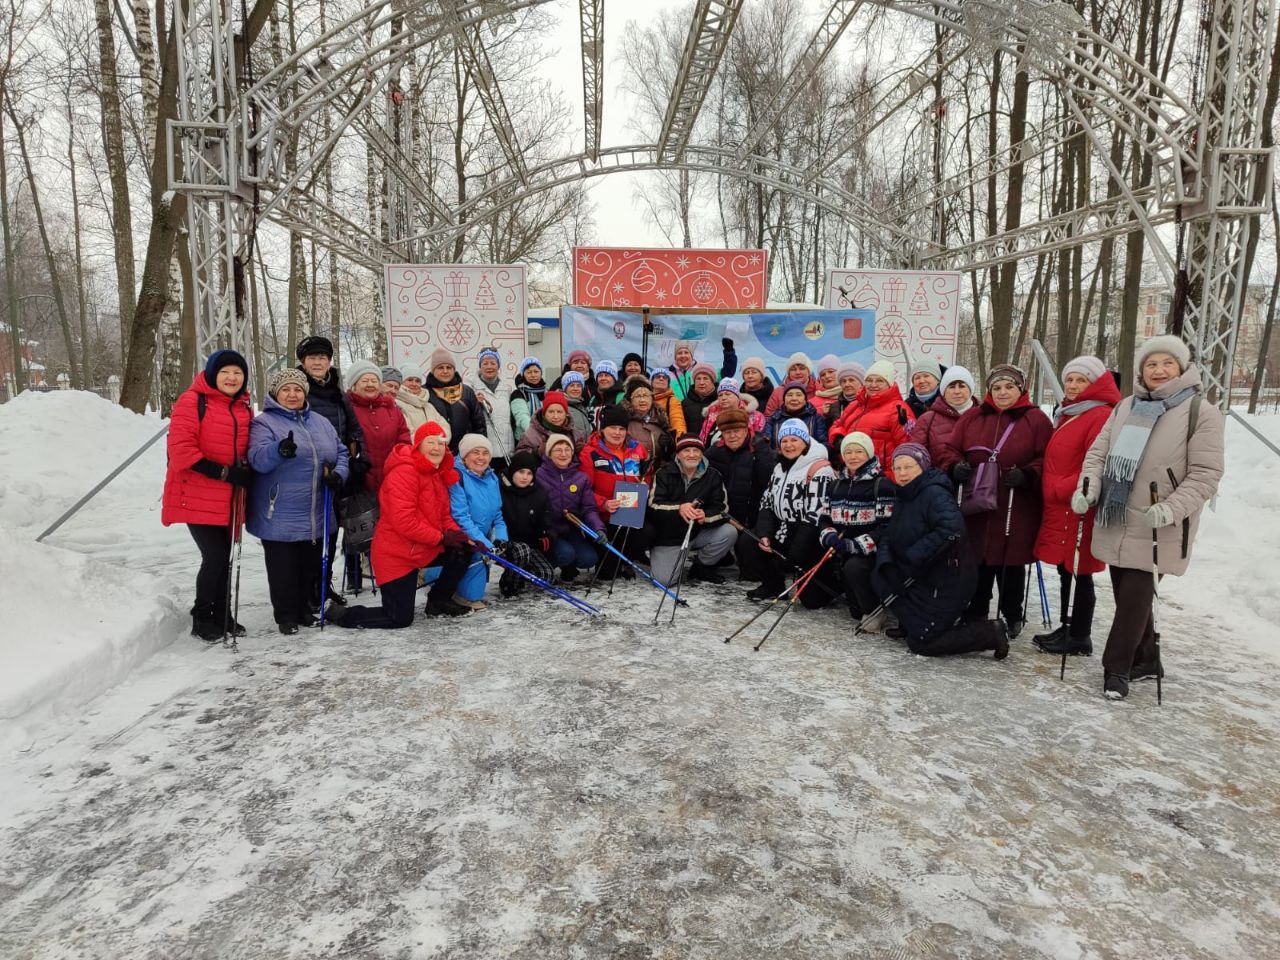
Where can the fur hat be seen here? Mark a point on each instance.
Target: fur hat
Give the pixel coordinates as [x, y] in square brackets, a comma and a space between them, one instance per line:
[957, 374]
[794, 428]
[828, 362]
[391, 375]
[524, 460]
[852, 370]
[577, 355]
[557, 437]
[689, 441]
[858, 438]
[555, 398]
[729, 385]
[1091, 368]
[429, 429]
[359, 369]
[528, 362]
[613, 416]
[440, 355]
[607, 366]
[1007, 371]
[473, 441]
[799, 358]
[727, 419]
[706, 368]
[636, 382]
[754, 363]
[883, 369]
[916, 452]
[288, 375]
[1163, 344]
[571, 377]
[925, 365]
[311, 345]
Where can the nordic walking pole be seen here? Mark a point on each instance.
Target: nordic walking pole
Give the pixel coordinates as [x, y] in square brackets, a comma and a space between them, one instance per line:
[324, 550]
[1004, 550]
[233, 523]
[887, 602]
[1155, 598]
[781, 556]
[626, 535]
[621, 556]
[595, 572]
[1044, 597]
[804, 582]
[240, 495]
[764, 609]
[680, 559]
[1075, 575]
[576, 602]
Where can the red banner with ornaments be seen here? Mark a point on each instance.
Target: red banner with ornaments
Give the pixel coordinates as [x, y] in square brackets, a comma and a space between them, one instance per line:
[646, 277]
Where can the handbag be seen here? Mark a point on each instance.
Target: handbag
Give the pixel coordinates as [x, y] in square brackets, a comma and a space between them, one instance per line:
[980, 493]
[359, 513]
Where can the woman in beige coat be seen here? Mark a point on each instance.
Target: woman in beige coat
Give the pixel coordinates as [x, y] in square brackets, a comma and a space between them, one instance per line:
[1165, 434]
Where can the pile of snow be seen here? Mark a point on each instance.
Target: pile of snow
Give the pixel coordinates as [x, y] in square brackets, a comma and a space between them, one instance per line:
[76, 625]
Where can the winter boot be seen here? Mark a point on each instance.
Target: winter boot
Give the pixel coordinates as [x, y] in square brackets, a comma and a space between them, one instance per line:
[1147, 670]
[233, 626]
[1115, 687]
[335, 613]
[700, 571]
[872, 622]
[1015, 627]
[288, 629]
[568, 574]
[1053, 636]
[895, 633]
[766, 591]
[204, 624]
[439, 607]
[462, 601]
[1074, 646]
[1000, 639]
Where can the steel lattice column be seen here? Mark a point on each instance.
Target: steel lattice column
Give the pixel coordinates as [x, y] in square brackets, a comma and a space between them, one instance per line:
[704, 47]
[591, 18]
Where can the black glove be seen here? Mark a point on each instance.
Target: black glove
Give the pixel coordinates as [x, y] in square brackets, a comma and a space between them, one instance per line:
[454, 539]
[332, 479]
[962, 471]
[358, 466]
[727, 343]
[1016, 477]
[602, 538]
[287, 448]
[214, 471]
[239, 475]
[902, 416]
[500, 547]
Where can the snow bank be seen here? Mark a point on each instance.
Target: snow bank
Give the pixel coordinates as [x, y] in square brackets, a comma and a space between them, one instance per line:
[76, 625]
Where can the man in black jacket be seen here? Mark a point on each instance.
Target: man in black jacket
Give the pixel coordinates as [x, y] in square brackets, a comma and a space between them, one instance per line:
[745, 463]
[689, 491]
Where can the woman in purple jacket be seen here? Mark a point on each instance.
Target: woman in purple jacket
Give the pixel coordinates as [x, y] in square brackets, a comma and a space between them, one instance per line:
[568, 488]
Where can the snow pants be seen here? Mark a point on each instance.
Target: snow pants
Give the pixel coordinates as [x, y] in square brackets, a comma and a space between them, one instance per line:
[292, 566]
[711, 543]
[214, 544]
[1132, 638]
[472, 576]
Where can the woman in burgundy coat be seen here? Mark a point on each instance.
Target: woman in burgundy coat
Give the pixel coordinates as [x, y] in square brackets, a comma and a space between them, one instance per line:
[1090, 394]
[934, 427]
[380, 419]
[1003, 537]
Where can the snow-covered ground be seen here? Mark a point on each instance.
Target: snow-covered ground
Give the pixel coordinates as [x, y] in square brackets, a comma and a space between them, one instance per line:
[529, 783]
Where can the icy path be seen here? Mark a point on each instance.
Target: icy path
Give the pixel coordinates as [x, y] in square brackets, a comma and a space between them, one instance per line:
[524, 784]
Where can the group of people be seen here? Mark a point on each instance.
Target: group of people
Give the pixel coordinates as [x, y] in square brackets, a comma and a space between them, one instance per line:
[913, 512]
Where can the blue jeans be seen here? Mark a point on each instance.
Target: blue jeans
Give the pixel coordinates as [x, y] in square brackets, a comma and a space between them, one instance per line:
[573, 551]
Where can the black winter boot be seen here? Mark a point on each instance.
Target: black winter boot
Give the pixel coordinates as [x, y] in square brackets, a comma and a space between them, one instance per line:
[1147, 670]
[766, 591]
[568, 573]
[1075, 646]
[699, 571]
[1053, 636]
[204, 624]
[1000, 639]
[1115, 687]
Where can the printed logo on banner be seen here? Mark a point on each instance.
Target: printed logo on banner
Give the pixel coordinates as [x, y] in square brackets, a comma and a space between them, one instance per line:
[461, 307]
[635, 277]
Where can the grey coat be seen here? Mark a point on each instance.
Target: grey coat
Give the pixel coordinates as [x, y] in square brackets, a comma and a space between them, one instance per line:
[1196, 463]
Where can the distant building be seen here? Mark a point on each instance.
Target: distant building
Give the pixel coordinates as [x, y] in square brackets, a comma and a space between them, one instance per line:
[34, 370]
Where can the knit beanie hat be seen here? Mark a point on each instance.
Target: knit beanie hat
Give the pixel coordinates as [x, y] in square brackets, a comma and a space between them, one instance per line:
[733, 417]
[829, 362]
[1091, 368]
[1007, 371]
[224, 358]
[924, 365]
[858, 438]
[662, 372]
[614, 416]
[571, 377]
[607, 366]
[429, 429]
[288, 375]
[309, 345]
[795, 385]
[636, 382]
[794, 428]
[555, 398]
[883, 369]
[916, 452]
[852, 370]
[440, 355]
[524, 460]
[357, 370]
[1165, 344]
[728, 385]
[489, 352]
[754, 363]
[473, 441]
[577, 355]
[798, 358]
[706, 368]
[689, 441]
[555, 438]
[957, 374]
[391, 375]
[528, 362]
[628, 358]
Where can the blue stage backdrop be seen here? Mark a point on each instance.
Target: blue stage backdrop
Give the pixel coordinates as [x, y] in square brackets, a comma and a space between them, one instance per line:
[772, 336]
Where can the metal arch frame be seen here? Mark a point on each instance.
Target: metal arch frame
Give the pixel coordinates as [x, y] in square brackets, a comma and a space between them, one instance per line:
[1206, 161]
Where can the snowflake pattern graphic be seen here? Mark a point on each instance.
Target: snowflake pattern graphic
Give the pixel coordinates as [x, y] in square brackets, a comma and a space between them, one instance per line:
[890, 335]
[457, 330]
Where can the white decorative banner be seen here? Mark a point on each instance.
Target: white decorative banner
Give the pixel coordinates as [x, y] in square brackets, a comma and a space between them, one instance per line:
[917, 311]
[461, 307]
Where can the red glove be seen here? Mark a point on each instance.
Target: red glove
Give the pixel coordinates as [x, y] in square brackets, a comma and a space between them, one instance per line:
[455, 539]
[544, 544]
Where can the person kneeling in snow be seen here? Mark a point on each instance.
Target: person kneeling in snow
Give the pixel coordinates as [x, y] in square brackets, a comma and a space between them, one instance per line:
[297, 454]
[689, 491]
[476, 503]
[415, 530]
[525, 507]
[924, 570]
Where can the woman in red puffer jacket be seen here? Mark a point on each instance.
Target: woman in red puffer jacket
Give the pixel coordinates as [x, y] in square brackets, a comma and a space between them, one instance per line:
[208, 443]
[379, 417]
[878, 411]
[1091, 394]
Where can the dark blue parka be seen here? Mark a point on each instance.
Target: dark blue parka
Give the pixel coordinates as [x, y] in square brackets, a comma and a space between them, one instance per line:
[925, 539]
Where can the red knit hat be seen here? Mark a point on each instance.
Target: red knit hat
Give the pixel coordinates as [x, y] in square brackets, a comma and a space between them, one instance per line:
[554, 398]
[429, 429]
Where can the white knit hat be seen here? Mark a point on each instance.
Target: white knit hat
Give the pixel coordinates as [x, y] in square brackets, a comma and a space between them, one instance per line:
[957, 374]
[473, 441]
[860, 439]
[1091, 368]
[883, 369]
[1164, 344]
[794, 427]
[797, 358]
[357, 370]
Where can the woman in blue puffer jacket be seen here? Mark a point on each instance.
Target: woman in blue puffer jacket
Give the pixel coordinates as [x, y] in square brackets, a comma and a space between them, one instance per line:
[296, 455]
[476, 504]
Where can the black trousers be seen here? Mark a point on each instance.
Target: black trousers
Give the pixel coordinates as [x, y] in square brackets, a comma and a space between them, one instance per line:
[214, 543]
[963, 637]
[291, 569]
[396, 611]
[855, 578]
[1012, 581]
[1132, 639]
[801, 547]
[634, 544]
[1083, 600]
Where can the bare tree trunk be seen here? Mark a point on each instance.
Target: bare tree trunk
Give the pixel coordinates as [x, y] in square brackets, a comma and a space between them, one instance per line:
[1003, 284]
[146, 73]
[55, 277]
[86, 352]
[1264, 348]
[113, 141]
[10, 270]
